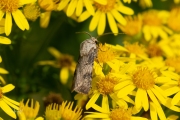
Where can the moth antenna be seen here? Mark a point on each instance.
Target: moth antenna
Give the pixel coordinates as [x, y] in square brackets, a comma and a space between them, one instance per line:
[85, 33]
[108, 34]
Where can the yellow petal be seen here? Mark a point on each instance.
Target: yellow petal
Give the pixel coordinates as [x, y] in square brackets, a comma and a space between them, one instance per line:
[20, 20]
[1, 118]
[128, 99]
[97, 115]
[153, 111]
[39, 118]
[105, 103]
[8, 23]
[11, 104]
[12, 101]
[176, 99]
[92, 100]
[125, 10]
[0, 59]
[138, 98]
[64, 74]
[22, 2]
[21, 115]
[146, 31]
[118, 17]
[122, 85]
[102, 24]
[161, 114]
[54, 52]
[95, 20]
[79, 7]
[85, 15]
[170, 106]
[162, 33]
[153, 98]
[7, 109]
[3, 71]
[7, 88]
[1, 14]
[160, 91]
[172, 90]
[158, 95]
[112, 23]
[44, 19]
[5, 40]
[2, 80]
[145, 101]
[89, 6]
[154, 32]
[125, 91]
[62, 4]
[102, 2]
[71, 8]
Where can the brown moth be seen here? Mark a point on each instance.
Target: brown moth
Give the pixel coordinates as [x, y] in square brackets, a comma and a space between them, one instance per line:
[83, 73]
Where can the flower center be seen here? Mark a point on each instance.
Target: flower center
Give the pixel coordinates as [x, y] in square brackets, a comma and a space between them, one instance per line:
[1, 94]
[66, 61]
[148, 18]
[174, 18]
[120, 114]
[106, 8]
[154, 50]
[133, 26]
[105, 53]
[135, 48]
[9, 5]
[173, 62]
[143, 78]
[106, 85]
[31, 12]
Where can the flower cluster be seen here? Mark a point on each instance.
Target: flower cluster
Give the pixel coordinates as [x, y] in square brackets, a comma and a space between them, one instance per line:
[136, 77]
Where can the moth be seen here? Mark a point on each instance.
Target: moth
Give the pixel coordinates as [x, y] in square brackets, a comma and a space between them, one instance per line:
[83, 72]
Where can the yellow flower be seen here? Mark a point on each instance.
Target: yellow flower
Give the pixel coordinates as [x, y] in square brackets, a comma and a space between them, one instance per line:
[78, 5]
[48, 6]
[173, 117]
[63, 111]
[2, 71]
[173, 62]
[6, 103]
[27, 112]
[31, 11]
[104, 86]
[170, 46]
[176, 1]
[174, 18]
[11, 7]
[133, 26]
[153, 28]
[3, 40]
[115, 114]
[1, 118]
[172, 87]
[63, 61]
[112, 11]
[134, 50]
[107, 54]
[145, 3]
[145, 82]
